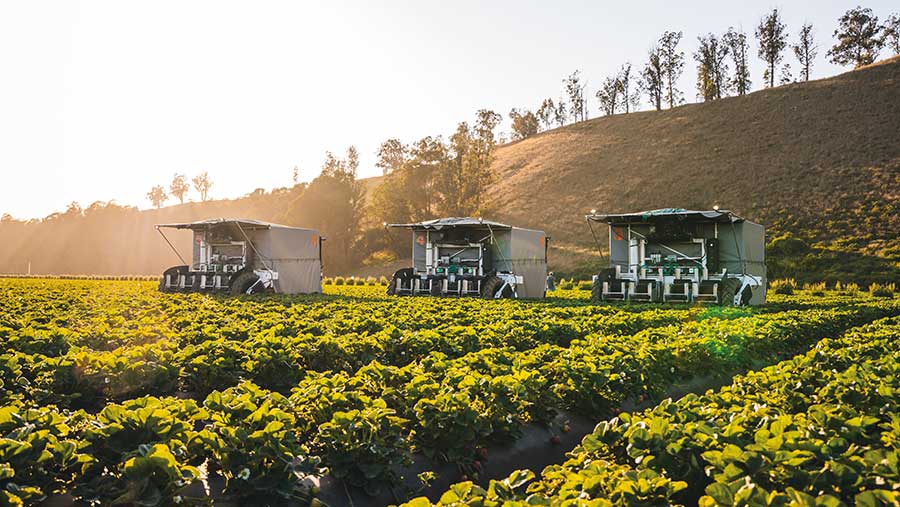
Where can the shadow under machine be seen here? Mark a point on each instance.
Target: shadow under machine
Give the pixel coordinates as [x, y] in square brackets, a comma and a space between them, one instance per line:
[473, 257]
[242, 256]
[678, 255]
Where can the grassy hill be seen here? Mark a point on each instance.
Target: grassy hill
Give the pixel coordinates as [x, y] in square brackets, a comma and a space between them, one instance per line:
[819, 160]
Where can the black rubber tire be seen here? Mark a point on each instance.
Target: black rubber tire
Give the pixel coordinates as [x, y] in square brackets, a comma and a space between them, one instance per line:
[392, 286]
[729, 288]
[746, 295]
[399, 274]
[597, 290]
[171, 271]
[491, 285]
[242, 282]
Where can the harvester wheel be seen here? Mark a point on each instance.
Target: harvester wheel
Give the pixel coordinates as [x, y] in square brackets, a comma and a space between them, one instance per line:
[597, 290]
[242, 283]
[729, 288]
[490, 287]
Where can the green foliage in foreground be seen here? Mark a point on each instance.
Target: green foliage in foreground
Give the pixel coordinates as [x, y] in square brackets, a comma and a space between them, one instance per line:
[118, 394]
[819, 429]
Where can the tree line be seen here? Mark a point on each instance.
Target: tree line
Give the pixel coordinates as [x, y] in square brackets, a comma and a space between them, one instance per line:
[421, 180]
[723, 67]
[179, 188]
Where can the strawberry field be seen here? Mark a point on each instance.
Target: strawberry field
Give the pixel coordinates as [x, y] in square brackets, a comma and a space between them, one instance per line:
[115, 394]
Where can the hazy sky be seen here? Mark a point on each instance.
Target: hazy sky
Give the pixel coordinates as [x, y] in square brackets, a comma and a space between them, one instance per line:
[102, 100]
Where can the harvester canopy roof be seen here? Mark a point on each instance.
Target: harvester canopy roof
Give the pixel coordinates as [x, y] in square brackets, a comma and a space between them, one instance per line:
[449, 222]
[244, 223]
[709, 216]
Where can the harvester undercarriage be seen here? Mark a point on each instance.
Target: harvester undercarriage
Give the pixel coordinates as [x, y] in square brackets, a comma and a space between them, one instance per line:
[406, 282]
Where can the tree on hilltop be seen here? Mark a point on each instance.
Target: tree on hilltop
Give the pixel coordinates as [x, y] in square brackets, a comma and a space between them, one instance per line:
[202, 183]
[608, 95]
[629, 96]
[806, 51]
[891, 31]
[157, 196]
[524, 123]
[672, 62]
[575, 91]
[546, 113]
[712, 70]
[391, 155]
[859, 38]
[652, 78]
[738, 47]
[772, 36]
[179, 187]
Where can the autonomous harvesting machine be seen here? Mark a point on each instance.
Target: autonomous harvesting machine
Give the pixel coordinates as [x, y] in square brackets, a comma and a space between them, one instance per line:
[473, 257]
[241, 256]
[679, 255]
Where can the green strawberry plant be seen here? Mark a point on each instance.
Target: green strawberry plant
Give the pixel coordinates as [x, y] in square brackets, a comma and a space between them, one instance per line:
[251, 438]
[366, 446]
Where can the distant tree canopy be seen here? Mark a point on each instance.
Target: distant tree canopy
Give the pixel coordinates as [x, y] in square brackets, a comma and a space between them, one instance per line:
[619, 92]
[652, 78]
[574, 87]
[202, 183]
[738, 48]
[712, 70]
[524, 123]
[806, 51]
[608, 95]
[560, 114]
[630, 96]
[772, 36]
[333, 203]
[179, 187]
[859, 38]
[441, 178]
[391, 155]
[672, 62]
[157, 196]
[546, 113]
[892, 33]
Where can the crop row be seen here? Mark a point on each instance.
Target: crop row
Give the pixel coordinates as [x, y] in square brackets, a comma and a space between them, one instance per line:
[819, 429]
[276, 359]
[363, 424]
[80, 347]
[105, 316]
